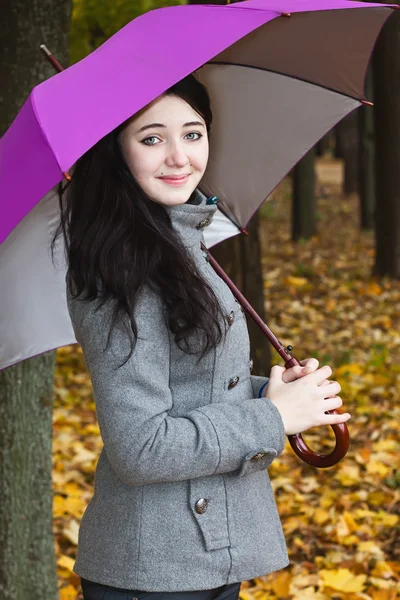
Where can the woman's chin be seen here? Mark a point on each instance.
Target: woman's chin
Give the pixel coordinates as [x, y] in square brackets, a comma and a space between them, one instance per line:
[174, 197]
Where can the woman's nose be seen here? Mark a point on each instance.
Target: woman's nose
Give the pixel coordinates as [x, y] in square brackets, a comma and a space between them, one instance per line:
[177, 156]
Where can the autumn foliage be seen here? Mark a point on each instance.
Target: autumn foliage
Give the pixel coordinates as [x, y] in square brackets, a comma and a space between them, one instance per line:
[342, 525]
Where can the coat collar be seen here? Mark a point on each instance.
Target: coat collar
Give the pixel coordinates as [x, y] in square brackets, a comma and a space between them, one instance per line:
[191, 218]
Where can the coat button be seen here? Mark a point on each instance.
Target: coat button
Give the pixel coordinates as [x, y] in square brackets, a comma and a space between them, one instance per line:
[201, 506]
[203, 224]
[230, 318]
[259, 456]
[251, 365]
[234, 381]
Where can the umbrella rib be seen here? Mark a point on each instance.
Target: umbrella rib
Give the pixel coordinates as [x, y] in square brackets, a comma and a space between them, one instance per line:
[42, 131]
[323, 87]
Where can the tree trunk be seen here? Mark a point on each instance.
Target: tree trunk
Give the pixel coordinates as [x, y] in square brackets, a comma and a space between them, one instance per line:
[386, 72]
[27, 555]
[324, 145]
[304, 206]
[348, 135]
[367, 159]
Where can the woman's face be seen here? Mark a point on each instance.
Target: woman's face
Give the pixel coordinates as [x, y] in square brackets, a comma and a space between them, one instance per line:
[166, 149]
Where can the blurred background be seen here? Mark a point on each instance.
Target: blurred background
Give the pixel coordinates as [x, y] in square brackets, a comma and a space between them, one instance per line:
[321, 265]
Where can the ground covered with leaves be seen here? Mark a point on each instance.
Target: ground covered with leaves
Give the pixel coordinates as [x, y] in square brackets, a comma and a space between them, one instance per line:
[342, 525]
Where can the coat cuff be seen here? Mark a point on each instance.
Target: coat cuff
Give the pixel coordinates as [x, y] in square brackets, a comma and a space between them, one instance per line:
[257, 382]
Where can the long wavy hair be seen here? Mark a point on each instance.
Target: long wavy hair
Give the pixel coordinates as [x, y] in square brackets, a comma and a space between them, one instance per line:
[116, 236]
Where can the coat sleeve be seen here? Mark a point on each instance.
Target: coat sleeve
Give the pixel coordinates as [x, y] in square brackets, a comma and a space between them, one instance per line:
[143, 443]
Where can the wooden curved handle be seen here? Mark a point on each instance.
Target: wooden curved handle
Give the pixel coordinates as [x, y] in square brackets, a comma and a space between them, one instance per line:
[322, 461]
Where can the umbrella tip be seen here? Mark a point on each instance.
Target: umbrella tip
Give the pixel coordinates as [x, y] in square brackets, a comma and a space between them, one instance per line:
[286, 14]
[367, 103]
[67, 176]
[45, 49]
[243, 231]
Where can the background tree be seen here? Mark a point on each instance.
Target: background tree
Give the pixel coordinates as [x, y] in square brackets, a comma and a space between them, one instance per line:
[348, 138]
[367, 158]
[94, 21]
[386, 73]
[27, 556]
[304, 202]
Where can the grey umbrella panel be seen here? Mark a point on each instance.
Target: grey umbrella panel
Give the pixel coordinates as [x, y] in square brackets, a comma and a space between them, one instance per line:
[244, 166]
[290, 81]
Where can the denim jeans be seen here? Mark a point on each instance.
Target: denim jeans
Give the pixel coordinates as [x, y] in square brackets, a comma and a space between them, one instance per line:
[98, 591]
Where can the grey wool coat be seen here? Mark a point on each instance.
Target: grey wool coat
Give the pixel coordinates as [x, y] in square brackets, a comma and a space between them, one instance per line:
[182, 498]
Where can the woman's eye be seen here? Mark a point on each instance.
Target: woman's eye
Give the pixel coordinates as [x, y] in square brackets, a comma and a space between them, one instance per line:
[199, 135]
[150, 140]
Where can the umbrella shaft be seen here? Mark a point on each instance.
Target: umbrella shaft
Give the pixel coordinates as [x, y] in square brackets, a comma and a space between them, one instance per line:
[290, 361]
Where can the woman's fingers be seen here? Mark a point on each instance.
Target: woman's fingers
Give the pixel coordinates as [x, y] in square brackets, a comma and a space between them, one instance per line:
[310, 364]
[294, 373]
[277, 372]
[331, 389]
[320, 374]
[334, 419]
[332, 403]
[307, 366]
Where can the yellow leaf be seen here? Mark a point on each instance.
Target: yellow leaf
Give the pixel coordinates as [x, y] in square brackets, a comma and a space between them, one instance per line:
[350, 521]
[372, 289]
[281, 584]
[343, 580]
[386, 519]
[348, 474]
[71, 531]
[374, 466]
[296, 281]
[309, 593]
[370, 548]
[66, 562]
[68, 592]
[58, 506]
[352, 368]
[384, 594]
[383, 570]
[321, 516]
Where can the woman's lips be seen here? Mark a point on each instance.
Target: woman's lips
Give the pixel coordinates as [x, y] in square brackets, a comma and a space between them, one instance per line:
[175, 181]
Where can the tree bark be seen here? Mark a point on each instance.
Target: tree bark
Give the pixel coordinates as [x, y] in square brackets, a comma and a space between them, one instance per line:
[348, 135]
[386, 72]
[304, 206]
[27, 553]
[324, 145]
[240, 258]
[367, 159]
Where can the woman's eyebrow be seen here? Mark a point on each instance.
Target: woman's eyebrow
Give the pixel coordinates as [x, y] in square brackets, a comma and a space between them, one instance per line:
[154, 125]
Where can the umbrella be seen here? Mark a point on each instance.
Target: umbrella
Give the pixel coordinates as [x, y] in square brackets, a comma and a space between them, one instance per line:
[260, 59]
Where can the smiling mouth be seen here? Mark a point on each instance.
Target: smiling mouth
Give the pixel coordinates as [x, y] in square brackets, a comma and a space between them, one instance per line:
[175, 181]
[175, 177]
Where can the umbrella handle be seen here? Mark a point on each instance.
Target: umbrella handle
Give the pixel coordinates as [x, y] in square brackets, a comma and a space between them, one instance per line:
[321, 461]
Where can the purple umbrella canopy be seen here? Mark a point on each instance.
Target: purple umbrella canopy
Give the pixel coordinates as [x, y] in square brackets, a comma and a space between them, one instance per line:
[280, 74]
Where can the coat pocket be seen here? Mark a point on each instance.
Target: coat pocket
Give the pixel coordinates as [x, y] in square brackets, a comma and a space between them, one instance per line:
[208, 503]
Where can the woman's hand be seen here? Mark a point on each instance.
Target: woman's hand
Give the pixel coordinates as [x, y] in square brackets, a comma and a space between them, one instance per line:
[303, 402]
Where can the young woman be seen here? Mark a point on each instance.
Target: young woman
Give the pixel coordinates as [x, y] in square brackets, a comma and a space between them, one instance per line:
[182, 506]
